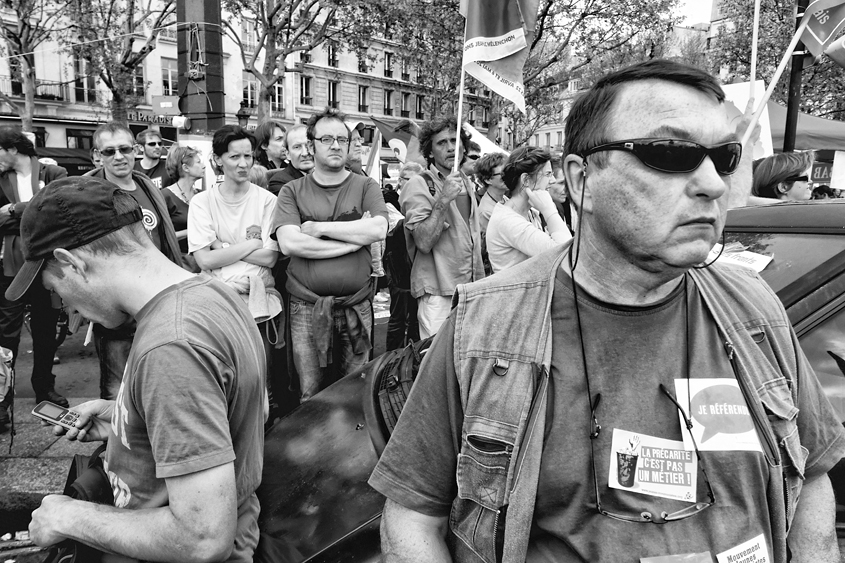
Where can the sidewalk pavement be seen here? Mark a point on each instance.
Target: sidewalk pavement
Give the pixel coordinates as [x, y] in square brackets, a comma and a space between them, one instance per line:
[37, 466]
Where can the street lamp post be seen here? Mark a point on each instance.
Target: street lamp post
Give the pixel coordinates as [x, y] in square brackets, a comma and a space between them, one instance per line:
[243, 115]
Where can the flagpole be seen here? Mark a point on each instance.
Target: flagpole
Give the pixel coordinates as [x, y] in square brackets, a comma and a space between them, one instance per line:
[754, 37]
[458, 148]
[788, 55]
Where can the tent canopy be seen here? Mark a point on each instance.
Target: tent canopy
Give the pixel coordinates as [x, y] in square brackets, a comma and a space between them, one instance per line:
[813, 133]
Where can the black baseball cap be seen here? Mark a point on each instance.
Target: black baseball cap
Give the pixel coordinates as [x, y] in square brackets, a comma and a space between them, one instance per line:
[67, 213]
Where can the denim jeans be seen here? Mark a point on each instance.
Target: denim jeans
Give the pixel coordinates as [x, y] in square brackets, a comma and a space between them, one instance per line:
[42, 324]
[113, 354]
[403, 319]
[313, 378]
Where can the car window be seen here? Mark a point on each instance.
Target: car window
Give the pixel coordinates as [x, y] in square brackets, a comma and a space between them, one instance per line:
[794, 255]
[824, 346]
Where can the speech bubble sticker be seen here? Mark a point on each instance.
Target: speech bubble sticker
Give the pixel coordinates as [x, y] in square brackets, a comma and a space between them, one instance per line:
[721, 409]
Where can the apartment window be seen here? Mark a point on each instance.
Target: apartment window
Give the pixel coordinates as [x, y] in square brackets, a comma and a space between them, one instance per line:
[305, 90]
[485, 117]
[169, 77]
[138, 83]
[332, 49]
[388, 65]
[84, 85]
[560, 138]
[167, 31]
[388, 102]
[537, 140]
[362, 64]
[249, 36]
[406, 105]
[80, 139]
[548, 139]
[420, 107]
[277, 102]
[406, 70]
[471, 116]
[250, 94]
[363, 98]
[334, 98]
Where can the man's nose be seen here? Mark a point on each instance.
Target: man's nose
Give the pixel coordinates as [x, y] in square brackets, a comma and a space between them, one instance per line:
[707, 182]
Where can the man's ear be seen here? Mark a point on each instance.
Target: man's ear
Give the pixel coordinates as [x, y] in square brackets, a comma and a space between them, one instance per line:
[77, 264]
[782, 188]
[575, 171]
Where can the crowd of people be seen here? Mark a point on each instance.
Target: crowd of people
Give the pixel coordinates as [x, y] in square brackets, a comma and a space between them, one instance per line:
[530, 274]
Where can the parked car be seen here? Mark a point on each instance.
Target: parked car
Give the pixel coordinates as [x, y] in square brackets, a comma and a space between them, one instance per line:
[315, 501]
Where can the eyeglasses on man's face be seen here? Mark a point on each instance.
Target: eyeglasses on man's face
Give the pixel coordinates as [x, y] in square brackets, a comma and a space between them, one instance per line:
[329, 140]
[676, 156]
[111, 151]
[154, 144]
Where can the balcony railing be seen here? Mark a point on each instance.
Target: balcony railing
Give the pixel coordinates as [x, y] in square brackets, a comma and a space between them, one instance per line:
[363, 107]
[420, 115]
[333, 63]
[44, 89]
[388, 73]
[305, 100]
[405, 113]
[406, 76]
[485, 124]
[388, 111]
[334, 105]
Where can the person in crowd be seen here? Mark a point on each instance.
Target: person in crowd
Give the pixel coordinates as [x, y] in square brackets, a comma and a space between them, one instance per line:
[185, 166]
[356, 150]
[470, 159]
[270, 145]
[151, 164]
[408, 171]
[229, 228]
[325, 222]
[441, 223]
[823, 192]
[515, 232]
[258, 176]
[183, 435]
[489, 173]
[553, 433]
[783, 176]
[21, 177]
[96, 160]
[113, 142]
[301, 159]
[403, 327]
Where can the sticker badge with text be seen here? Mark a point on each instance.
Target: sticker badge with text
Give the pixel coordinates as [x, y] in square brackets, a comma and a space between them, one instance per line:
[720, 417]
[652, 466]
[753, 551]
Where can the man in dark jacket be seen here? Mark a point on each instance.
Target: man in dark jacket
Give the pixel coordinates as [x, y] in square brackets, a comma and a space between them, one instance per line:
[21, 177]
[301, 159]
[113, 141]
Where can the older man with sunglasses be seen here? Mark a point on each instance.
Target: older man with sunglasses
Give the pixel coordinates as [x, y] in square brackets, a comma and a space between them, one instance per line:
[625, 400]
[114, 144]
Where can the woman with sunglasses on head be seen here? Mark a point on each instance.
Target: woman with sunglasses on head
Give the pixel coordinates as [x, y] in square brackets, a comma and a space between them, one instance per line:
[515, 231]
[783, 177]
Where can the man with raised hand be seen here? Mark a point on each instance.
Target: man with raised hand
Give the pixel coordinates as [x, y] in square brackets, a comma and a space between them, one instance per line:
[624, 401]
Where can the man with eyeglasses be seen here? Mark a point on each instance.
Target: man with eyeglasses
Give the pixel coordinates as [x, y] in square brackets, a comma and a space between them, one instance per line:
[325, 222]
[625, 400]
[151, 164]
[489, 173]
[301, 159]
[114, 143]
[441, 224]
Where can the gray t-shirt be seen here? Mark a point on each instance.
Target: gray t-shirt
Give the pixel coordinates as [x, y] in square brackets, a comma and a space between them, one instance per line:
[191, 399]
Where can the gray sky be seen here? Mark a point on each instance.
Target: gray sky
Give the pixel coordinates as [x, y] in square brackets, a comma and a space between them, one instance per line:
[696, 11]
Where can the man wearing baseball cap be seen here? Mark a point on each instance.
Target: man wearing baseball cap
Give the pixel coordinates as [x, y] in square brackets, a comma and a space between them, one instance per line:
[185, 434]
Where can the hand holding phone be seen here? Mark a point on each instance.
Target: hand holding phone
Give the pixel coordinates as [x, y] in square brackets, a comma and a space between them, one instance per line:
[91, 420]
[55, 414]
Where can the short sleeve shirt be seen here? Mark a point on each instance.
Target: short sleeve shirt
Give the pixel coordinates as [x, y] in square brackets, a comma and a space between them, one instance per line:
[157, 174]
[191, 399]
[305, 199]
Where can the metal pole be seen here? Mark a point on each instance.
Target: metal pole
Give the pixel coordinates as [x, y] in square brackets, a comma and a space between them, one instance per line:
[794, 99]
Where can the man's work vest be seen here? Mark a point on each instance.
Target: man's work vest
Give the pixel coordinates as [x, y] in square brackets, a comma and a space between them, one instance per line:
[503, 374]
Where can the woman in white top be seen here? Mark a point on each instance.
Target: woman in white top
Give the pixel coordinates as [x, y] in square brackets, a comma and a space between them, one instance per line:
[515, 232]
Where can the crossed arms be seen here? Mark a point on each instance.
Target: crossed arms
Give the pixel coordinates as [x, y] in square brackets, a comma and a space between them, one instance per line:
[330, 239]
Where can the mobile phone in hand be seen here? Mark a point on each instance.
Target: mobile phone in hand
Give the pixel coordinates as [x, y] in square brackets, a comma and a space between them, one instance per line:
[54, 414]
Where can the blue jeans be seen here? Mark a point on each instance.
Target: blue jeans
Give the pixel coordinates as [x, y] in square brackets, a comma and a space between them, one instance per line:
[313, 378]
[113, 354]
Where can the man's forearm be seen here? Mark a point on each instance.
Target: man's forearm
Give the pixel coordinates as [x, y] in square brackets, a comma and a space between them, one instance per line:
[812, 537]
[361, 232]
[153, 534]
[208, 259]
[315, 248]
[262, 257]
[426, 233]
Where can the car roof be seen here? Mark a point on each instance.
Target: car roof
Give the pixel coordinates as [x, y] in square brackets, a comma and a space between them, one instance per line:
[823, 217]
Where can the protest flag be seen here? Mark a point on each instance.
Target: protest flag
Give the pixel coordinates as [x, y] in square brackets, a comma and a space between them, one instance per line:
[825, 19]
[402, 140]
[496, 43]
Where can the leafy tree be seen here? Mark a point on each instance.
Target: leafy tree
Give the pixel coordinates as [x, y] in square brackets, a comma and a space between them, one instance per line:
[285, 27]
[114, 37]
[822, 83]
[34, 22]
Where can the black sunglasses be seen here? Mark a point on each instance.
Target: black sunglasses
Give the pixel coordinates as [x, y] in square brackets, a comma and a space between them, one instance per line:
[676, 155]
[797, 179]
[154, 144]
[646, 517]
[110, 152]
